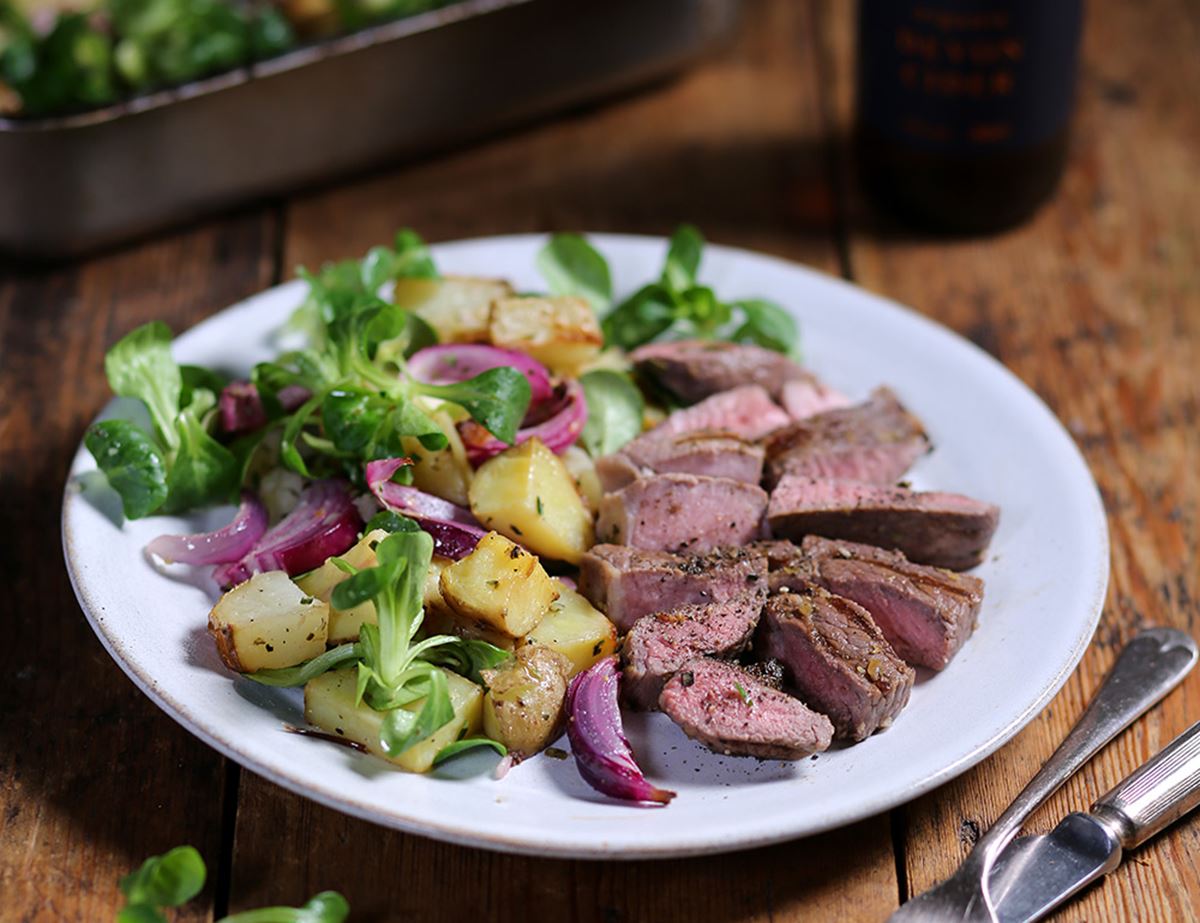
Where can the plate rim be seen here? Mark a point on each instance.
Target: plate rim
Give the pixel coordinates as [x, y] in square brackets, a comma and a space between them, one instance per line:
[463, 834]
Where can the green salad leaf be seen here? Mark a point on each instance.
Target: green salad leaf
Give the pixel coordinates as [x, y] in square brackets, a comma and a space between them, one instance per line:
[572, 266]
[452, 750]
[180, 466]
[140, 365]
[496, 399]
[168, 880]
[615, 408]
[675, 304]
[174, 878]
[326, 907]
[132, 462]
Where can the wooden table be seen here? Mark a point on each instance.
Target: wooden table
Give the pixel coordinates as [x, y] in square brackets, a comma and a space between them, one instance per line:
[1095, 304]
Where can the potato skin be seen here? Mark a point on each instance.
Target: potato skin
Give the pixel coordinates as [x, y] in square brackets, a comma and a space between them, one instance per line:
[524, 705]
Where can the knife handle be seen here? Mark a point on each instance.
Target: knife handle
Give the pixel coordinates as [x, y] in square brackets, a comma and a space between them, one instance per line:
[1156, 794]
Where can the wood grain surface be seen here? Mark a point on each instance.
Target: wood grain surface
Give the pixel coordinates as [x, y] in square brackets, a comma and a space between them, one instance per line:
[1095, 304]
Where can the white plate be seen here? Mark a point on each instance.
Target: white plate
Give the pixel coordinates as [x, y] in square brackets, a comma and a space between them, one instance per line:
[1046, 578]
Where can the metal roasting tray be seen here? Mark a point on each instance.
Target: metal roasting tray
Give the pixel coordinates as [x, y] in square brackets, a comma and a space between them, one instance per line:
[71, 183]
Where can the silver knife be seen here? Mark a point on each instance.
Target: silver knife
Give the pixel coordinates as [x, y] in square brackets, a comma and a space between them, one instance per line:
[1037, 873]
[1150, 666]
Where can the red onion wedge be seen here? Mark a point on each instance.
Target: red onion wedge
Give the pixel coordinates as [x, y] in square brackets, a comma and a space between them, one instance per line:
[602, 752]
[227, 544]
[455, 531]
[241, 408]
[324, 523]
[454, 362]
[559, 432]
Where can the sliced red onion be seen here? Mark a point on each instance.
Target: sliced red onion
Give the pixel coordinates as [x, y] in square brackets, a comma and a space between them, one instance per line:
[241, 408]
[558, 433]
[290, 397]
[602, 752]
[455, 531]
[454, 362]
[324, 523]
[219, 547]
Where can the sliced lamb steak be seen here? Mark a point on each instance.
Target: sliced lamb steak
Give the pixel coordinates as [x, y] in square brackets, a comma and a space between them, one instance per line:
[807, 397]
[682, 512]
[786, 564]
[837, 659]
[746, 412]
[926, 613]
[661, 643]
[695, 369]
[931, 527]
[876, 442]
[702, 453]
[729, 711]
[627, 583]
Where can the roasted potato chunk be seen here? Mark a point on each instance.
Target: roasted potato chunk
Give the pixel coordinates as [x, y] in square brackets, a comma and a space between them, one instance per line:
[329, 705]
[499, 586]
[523, 707]
[458, 308]
[527, 494]
[268, 622]
[561, 332]
[576, 629]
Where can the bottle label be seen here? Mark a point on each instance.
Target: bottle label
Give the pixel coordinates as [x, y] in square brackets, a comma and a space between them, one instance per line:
[967, 75]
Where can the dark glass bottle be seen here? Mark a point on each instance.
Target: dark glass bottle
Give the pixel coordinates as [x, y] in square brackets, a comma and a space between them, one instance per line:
[964, 106]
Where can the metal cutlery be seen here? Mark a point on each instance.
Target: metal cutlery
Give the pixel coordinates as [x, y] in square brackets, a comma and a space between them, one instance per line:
[1037, 873]
[1150, 666]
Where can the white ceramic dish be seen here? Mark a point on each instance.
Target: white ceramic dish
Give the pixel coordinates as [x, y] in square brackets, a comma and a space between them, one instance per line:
[1046, 578]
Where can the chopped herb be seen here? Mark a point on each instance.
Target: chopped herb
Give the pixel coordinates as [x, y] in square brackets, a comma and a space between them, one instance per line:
[686, 678]
[493, 583]
[741, 691]
[516, 531]
[556, 753]
[306, 601]
[540, 508]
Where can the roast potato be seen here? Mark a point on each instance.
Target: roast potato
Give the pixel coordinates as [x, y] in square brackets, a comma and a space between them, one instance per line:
[523, 706]
[575, 628]
[561, 332]
[329, 705]
[458, 308]
[527, 494]
[498, 586]
[268, 622]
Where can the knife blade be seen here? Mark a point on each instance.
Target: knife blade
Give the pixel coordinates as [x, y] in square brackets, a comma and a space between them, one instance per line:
[1035, 874]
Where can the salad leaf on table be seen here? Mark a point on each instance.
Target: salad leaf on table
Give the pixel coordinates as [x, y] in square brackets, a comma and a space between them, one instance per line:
[174, 878]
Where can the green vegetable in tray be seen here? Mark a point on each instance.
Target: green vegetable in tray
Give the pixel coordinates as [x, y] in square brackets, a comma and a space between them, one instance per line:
[174, 878]
[124, 47]
[675, 304]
